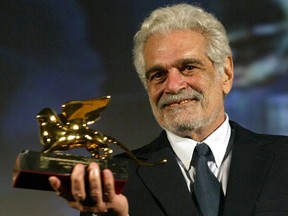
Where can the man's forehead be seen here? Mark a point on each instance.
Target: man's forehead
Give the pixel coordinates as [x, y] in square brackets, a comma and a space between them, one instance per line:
[176, 41]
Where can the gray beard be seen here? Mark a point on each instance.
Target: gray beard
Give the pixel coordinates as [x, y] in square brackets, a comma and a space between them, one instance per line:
[181, 126]
[174, 121]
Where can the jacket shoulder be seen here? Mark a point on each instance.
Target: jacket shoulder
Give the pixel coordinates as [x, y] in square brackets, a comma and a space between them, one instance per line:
[158, 143]
[281, 141]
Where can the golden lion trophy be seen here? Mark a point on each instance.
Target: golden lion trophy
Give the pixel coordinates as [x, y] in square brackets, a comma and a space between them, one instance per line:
[67, 131]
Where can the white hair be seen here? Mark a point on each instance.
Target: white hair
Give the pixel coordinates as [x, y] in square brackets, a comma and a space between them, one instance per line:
[182, 17]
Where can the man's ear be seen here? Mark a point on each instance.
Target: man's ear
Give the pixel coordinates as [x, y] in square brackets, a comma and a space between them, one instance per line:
[228, 75]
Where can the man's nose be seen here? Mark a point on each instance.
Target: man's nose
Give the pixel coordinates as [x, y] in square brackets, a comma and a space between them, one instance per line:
[175, 81]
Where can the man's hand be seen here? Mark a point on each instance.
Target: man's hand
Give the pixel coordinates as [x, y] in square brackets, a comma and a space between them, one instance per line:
[100, 190]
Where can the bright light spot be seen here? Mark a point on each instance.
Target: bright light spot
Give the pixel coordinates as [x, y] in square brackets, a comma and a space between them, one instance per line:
[62, 138]
[75, 127]
[71, 137]
[52, 118]
[88, 137]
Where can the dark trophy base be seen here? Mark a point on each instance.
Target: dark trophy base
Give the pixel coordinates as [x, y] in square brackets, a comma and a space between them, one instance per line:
[32, 170]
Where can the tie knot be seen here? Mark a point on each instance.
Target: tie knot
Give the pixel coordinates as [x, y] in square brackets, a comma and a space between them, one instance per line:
[203, 149]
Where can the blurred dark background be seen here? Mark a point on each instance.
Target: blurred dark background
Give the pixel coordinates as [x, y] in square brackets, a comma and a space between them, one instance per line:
[54, 51]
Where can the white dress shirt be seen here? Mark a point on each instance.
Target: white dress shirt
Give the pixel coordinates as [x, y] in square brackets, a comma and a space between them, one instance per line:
[218, 143]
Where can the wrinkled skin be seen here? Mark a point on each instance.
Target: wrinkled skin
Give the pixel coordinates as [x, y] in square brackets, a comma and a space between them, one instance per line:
[186, 93]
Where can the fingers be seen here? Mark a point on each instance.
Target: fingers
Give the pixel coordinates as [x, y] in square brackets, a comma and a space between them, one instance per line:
[94, 187]
[108, 186]
[61, 189]
[87, 190]
[101, 188]
[116, 202]
[78, 183]
[55, 183]
[92, 190]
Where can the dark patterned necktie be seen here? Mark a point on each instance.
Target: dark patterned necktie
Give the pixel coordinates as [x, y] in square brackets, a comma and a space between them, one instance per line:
[207, 189]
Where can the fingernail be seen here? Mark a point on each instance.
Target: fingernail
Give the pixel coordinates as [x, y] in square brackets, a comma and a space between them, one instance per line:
[94, 172]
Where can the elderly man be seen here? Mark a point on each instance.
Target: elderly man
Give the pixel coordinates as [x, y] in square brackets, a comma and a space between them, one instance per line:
[214, 166]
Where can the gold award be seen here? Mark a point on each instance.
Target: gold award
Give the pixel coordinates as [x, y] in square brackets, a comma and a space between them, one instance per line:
[67, 131]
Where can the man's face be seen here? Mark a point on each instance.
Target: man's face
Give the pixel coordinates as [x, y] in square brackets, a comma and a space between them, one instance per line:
[185, 91]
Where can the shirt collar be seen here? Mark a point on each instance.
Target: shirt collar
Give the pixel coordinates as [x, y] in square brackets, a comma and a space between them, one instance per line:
[217, 141]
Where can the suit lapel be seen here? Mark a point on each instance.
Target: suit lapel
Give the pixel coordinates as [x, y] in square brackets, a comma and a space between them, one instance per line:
[249, 166]
[166, 183]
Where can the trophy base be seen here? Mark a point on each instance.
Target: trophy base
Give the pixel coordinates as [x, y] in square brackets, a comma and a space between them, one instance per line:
[32, 170]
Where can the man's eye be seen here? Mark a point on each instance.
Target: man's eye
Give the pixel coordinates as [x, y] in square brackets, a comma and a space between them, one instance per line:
[158, 76]
[189, 67]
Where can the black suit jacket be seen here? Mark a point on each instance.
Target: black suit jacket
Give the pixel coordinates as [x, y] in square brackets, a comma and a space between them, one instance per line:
[257, 183]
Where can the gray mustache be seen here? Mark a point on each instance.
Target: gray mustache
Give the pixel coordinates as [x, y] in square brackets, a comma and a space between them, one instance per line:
[168, 99]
